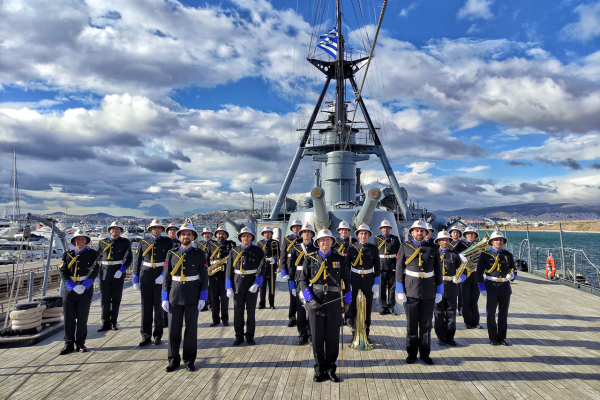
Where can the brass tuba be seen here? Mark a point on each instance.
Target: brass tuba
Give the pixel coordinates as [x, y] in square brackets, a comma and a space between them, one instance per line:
[472, 253]
[360, 341]
[216, 267]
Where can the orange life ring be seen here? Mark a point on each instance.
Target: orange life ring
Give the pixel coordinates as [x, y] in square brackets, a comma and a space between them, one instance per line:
[550, 267]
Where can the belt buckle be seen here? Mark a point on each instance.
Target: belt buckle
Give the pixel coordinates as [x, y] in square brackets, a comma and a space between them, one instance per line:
[183, 279]
[325, 288]
[500, 280]
[244, 272]
[421, 275]
[362, 271]
[110, 263]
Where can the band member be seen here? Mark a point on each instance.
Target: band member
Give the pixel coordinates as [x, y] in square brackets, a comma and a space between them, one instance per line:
[341, 246]
[217, 252]
[114, 257]
[286, 247]
[470, 290]
[184, 293]
[419, 286]
[205, 245]
[363, 258]
[294, 268]
[78, 270]
[388, 246]
[271, 249]
[430, 231]
[148, 279]
[325, 285]
[244, 277]
[458, 246]
[445, 310]
[172, 233]
[495, 271]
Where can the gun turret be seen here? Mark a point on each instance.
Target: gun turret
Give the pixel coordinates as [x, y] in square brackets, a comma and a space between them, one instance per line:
[237, 227]
[322, 217]
[365, 215]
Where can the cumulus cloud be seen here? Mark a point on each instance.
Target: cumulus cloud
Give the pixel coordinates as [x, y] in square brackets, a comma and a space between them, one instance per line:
[588, 26]
[156, 210]
[474, 9]
[572, 146]
[474, 169]
[525, 188]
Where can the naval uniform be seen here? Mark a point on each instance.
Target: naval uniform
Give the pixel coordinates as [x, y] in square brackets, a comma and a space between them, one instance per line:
[419, 276]
[78, 268]
[445, 310]
[492, 269]
[363, 260]
[470, 297]
[148, 266]
[244, 269]
[217, 251]
[271, 250]
[388, 249]
[295, 267]
[176, 245]
[185, 283]
[205, 247]
[325, 278]
[286, 247]
[341, 247]
[458, 246]
[113, 255]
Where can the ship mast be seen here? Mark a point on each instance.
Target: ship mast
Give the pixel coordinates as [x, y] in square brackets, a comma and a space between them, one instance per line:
[340, 114]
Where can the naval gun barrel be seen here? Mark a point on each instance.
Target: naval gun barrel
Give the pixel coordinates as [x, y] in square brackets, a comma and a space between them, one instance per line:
[365, 215]
[235, 225]
[322, 217]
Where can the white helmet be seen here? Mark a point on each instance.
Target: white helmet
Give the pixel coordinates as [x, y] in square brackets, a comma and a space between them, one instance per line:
[442, 235]
[307, 227]
[295, 222]
[343, 225]
[246, 230]
[156, 222]
[116, 224]
[496, 235]
[222, 229]
[455, 228]
[385, 223]
[323, 233]
[363, 227]
[187, 227]
[470, 229]
[79, 233]
[266, 229]
[172, 225]
[417, 224]
[207, 230]
[430, 228]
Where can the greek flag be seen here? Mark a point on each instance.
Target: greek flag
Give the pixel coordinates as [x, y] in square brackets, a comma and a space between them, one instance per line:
[329, 42]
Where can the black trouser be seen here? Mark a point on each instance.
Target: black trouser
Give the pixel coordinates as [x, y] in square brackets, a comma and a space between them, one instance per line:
[218, 294]
[459, 304]
[445, 318]
[498, 297]
[244, 301]
[77, 311]
[368, 293]
[387, 290]
[303, 322]
[325, 329]
[293, 306]
[111, 290]
[177, 314]
[151, 305]
[470, 292]
[419, 313]
[270, 281]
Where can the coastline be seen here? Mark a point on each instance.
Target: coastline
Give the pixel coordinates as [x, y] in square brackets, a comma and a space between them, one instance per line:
[575, 226]
[513, 229]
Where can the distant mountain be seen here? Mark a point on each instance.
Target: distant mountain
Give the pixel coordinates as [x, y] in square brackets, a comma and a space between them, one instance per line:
[530, 211]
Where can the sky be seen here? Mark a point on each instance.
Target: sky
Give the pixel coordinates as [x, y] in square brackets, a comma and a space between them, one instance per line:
[164, 108]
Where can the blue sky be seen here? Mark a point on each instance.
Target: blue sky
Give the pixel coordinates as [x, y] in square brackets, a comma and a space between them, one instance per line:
[162, 108]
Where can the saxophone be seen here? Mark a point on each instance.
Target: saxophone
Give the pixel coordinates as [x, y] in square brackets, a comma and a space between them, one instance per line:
[472, 253]
[360, 341]
[216, 267]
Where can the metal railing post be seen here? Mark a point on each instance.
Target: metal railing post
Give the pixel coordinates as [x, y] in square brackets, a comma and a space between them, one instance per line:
[45, 284]
[528, 244]
[31, 278]
[562, 250]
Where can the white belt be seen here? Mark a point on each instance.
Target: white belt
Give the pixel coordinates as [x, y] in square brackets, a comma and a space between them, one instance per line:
[363, 271]
[494, 279]
[448, 278]
[299, 268]
[186, 278]
[153, 265]
[79, 278]
[387, 256]
[116, 262]
[419, 274]
[246, 271]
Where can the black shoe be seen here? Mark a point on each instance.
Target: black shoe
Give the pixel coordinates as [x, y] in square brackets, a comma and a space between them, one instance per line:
[165, 324]
[394, 313]
[105, 327]
[225, 323]
[319, 377]
[349, 322]
[272, 307]
[68, 348]
[333, 377]
[171, 367]
[302, 342]
[411, 359]
[494, 343]
[81, 349]
[237, 342]
[469, 327]
[383, 312]
[504, 343]
[441, 342]
[214, 324]
[114, 327]
[291, 323]
[157, 341]
[145, 342]
[452, 342]
[426, 360]
[261, 307]
[310, 340]
[190, 367]
[250, 342]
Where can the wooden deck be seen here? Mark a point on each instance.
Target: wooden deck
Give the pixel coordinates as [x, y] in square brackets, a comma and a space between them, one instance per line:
[555, 332]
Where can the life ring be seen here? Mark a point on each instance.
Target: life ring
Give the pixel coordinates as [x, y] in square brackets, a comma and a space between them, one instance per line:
[550, 267]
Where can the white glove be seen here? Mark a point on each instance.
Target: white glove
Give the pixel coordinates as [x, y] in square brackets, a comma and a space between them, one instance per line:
[165, 305]
[273, 260]
[463, 258]
[253, 288]
[97, 280]
[118, 274]
[285, 278]
[230, 293]
[455, 280]
[301, 296]
[508, 277]
[159, 280]
[201, 304]
[401, 297]
[438, 298]
[79, 289]
[294, 292]
[483, 293]
[136, 286]
[375, 288]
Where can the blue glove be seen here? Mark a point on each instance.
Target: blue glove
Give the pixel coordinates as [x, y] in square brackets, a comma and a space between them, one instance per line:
[259, 281]
[308, 296]
[70, 285]
[204, 295]
[87, 283]
[284, 274]
[440, 289]
[293, 286]
[378, 280]
[227, 283]
[123, 268]
[136, 279]
[164, 296]
[515, 274]
[348, 298]
[482, 287]
[399, 287]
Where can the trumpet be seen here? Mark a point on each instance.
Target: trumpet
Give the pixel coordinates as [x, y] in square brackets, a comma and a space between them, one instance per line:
[472, 254]
[360, 341]
[216, 267]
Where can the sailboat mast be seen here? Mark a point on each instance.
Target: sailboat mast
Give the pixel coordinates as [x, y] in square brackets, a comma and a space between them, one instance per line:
[340, 95]
[16, 211]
